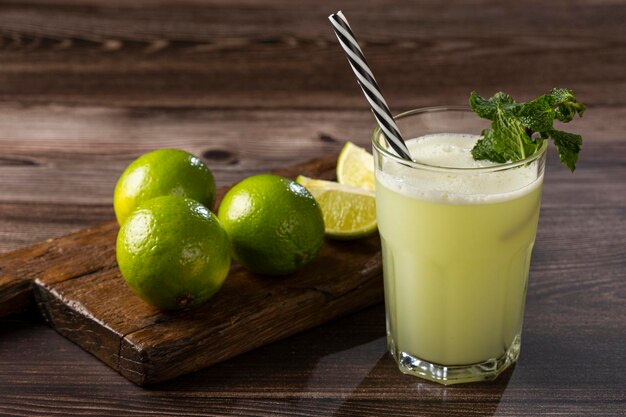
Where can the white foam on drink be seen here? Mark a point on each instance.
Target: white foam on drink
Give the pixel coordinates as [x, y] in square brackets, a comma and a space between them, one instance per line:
[453, 150]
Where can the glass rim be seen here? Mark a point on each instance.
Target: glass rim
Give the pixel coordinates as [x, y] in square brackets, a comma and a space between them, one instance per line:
[420, 165]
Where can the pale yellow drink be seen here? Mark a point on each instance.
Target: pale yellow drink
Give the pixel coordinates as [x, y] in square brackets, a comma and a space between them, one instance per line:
[456, 254]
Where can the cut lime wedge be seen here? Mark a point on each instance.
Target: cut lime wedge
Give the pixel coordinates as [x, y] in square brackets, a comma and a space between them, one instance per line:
[355, 167]
[349, 212]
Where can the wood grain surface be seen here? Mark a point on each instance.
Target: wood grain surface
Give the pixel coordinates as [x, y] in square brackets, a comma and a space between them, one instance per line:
[88, 85]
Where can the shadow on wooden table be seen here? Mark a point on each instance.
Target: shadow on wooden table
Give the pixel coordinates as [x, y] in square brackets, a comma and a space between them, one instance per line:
[334, 355]
[339, 369]
[413, 396]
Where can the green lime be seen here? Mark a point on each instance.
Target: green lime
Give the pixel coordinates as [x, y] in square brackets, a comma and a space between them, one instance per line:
[274, 224]
[163, 172]
[349, 212]
[173, 252]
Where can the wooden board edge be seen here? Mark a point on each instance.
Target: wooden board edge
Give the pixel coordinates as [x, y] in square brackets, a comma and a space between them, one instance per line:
[73, 322]
[17, 281]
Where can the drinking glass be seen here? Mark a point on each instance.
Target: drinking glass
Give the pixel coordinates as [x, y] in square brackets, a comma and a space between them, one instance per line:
[456, 246]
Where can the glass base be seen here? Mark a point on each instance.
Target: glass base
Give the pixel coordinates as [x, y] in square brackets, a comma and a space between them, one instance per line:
[456, 374]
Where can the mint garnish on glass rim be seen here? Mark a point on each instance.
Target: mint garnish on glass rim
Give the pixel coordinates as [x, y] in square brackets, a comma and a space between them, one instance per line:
[519, 129]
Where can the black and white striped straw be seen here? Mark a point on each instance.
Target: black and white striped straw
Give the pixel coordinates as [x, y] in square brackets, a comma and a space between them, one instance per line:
[368, 84]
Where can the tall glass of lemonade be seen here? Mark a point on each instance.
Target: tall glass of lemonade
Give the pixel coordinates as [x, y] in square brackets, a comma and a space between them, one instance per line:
[457, 236]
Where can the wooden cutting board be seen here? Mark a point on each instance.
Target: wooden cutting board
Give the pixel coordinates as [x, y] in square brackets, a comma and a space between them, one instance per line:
[79, 290]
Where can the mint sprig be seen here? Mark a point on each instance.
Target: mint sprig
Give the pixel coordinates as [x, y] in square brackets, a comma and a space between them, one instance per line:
[519, 129]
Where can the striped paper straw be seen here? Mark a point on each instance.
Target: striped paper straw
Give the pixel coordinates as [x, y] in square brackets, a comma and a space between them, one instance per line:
[368, 84]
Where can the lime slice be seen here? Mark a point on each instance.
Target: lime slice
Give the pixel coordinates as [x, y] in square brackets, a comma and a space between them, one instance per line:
[349, 212]
[355, 167]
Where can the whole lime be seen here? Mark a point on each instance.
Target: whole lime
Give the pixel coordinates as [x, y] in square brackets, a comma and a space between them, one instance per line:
[163, 172]
[173, 252]
[274, 224]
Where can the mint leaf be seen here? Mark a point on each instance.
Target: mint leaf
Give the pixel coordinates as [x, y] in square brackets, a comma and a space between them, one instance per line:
[484, 108]
[538, 115]
[510, 139]
[484, 148]
[519, 129]
[566, 105]
[487, 108]
[568, 145]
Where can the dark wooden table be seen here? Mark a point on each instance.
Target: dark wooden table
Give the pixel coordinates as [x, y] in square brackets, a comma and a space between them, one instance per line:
[86, 86]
